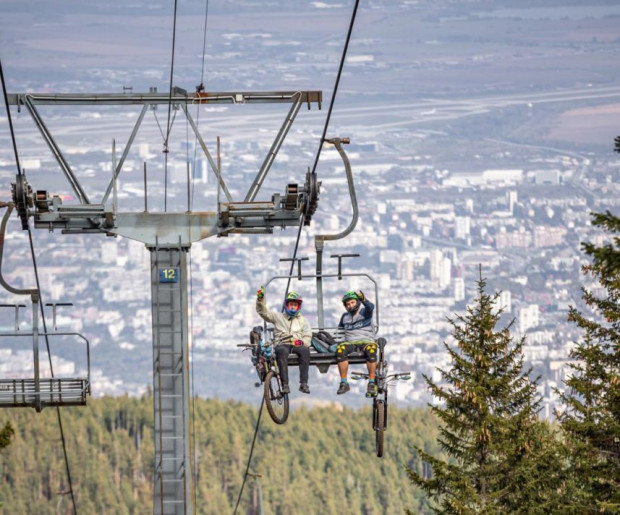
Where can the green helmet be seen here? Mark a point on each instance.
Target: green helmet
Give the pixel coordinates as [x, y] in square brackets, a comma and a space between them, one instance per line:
[349, 295]
[294, 296]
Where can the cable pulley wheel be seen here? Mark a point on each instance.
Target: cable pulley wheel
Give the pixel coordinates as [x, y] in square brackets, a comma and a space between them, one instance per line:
[312, 189]
[22, 198]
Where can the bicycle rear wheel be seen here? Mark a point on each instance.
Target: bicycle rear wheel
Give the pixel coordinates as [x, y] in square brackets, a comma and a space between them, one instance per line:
[379, 426]
[276, 401]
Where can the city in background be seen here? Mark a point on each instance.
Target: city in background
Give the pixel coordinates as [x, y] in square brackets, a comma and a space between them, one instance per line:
[481, 139]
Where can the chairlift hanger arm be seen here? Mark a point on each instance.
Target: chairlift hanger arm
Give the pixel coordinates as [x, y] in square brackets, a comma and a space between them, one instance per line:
[321, 238]
[33, 292]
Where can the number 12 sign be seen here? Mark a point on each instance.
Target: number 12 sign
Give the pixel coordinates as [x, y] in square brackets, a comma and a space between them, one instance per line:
[168, 275]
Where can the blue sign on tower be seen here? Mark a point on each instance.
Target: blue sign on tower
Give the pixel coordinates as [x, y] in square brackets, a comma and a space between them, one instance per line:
[168, 275]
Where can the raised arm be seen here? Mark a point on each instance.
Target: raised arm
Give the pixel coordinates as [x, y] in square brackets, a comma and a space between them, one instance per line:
[262, 309]
[368, 308]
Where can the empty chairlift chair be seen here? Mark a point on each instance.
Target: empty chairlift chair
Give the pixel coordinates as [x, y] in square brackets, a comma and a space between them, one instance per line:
[43, 387]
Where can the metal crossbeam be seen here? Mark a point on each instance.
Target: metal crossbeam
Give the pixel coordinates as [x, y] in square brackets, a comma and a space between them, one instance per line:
[242, 97]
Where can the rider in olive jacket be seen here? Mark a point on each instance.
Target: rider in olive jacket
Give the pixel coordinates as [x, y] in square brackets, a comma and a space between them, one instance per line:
[292, 333]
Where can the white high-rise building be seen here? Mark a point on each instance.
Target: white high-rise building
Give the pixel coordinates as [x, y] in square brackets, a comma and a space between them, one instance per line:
[201, 171]
[436, 257]
[445, 273]
[512, 199]
[144, 151]
[462, 227]
[469, 205]
[109, 252]
[505, 301]
[459, 289]
[528, 317]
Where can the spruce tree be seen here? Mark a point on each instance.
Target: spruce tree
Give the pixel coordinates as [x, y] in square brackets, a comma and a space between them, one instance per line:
[591, 418]
[489, 427]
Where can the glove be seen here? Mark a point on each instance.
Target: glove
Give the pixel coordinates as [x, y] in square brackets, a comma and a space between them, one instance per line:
[298, 343]
[360, 295]
[260, 293]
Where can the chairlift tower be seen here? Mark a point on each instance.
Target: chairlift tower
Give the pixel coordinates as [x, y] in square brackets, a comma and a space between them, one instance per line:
[168, 236]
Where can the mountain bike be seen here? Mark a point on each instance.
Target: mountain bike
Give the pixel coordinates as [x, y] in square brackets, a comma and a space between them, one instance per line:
[264, 360]
[380, 400]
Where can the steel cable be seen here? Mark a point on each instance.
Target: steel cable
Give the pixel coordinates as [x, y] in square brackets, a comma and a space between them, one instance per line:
[168, 125]
[331, 105]
[36, 274]
[247, 468]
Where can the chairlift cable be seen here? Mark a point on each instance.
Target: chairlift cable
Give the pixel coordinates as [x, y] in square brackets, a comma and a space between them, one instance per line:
[163, 137]
[247, 468]
[36, 275]
[331, 102]
[168, 125]
[331, 105]
[200, 88]
[329, 114]
[6, 103]
[193, 394]
[49, 356]
[204, 46]
[191, 207]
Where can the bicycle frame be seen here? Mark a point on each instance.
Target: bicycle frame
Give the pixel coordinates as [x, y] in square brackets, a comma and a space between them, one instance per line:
[267, 369]
[380, 400]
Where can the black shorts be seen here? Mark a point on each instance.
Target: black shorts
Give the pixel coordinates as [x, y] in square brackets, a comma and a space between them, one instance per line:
[345, 349]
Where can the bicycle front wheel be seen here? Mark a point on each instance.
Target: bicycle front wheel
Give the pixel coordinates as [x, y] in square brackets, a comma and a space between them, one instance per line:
[276, 401]
[379, 426]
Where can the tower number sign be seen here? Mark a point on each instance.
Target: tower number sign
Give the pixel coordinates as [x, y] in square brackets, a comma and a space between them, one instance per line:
[168, 275]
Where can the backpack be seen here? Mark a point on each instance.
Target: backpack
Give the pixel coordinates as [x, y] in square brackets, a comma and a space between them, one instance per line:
[323, 342]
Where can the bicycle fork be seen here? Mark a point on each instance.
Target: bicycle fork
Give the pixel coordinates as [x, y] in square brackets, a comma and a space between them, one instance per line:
[375, 418]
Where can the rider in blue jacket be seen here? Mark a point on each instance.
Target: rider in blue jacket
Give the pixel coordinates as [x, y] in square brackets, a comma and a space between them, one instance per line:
[357, 332]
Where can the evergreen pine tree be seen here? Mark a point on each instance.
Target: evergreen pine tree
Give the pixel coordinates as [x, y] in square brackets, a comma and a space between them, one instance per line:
[488, 408]
[591, 418]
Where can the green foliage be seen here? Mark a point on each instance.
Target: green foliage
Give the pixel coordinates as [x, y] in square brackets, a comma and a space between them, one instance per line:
[502, 458]
[321, 461]
[6, 433]
[591, 418]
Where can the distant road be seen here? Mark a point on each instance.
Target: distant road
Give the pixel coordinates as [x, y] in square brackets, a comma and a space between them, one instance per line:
[248, 122]
[423, 111]
[402, 114]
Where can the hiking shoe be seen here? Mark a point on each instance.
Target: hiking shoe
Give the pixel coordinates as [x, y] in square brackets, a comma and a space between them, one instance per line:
[371, 389]
[304, 388]
[343, 388]
[285, 389]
